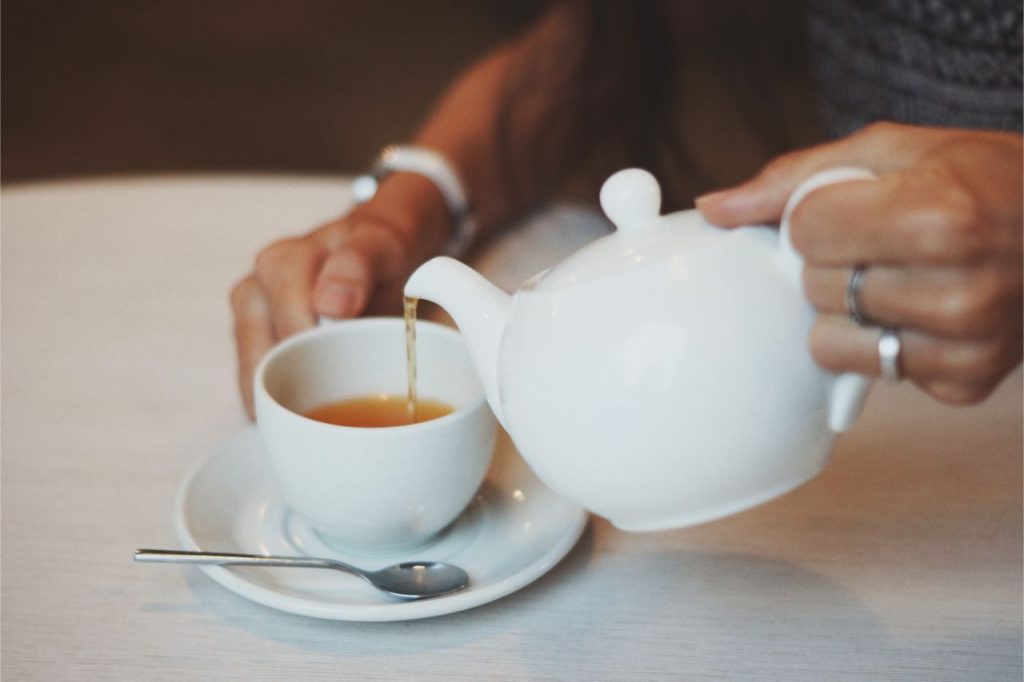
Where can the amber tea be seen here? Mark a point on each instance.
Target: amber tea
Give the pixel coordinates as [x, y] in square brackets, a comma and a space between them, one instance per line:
[384, 409]
[376, 411]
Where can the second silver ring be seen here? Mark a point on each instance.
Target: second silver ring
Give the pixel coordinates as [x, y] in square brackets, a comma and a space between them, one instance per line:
[890, 350]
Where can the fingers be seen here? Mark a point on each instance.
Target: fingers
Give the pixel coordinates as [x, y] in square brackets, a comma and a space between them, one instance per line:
[953, 370]
[939, 233]
[333, 272]
[330, 272]
[254, 334]
[960, 393]
[901, 218]
[362, 257]
[285, 272]
[882, 148]
[968, 303]
[343, 285]
[926, 207]
[959, 327]
[762, 199]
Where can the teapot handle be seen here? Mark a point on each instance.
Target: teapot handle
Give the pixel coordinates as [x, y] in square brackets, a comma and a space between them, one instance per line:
[849, 390]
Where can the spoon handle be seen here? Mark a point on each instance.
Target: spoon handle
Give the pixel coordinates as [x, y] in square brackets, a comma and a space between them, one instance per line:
[169, 556]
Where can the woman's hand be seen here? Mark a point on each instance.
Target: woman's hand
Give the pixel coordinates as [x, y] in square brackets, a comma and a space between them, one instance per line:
[939, 235]
[356, 264]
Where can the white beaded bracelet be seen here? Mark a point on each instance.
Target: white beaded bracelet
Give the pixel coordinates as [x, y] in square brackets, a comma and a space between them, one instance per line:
[434, 167]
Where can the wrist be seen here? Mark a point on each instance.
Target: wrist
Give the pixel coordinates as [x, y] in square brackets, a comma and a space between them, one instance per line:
[434, 167]
[414, 209]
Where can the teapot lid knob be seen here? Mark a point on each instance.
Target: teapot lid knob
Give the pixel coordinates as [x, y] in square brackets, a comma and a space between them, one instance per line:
[631, 198]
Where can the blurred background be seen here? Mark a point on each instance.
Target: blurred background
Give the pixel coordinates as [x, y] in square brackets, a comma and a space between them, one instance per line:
[319, 86]
[129, 86]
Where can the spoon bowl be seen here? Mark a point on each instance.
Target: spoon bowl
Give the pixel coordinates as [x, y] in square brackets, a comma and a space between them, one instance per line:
[407, 580]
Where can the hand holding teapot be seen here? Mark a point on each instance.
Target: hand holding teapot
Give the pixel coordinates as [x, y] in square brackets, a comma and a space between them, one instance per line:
[938, 241]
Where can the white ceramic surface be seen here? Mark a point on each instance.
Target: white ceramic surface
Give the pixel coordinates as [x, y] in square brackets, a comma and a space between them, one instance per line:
[660, 376]
[512, 533]
[377, 488]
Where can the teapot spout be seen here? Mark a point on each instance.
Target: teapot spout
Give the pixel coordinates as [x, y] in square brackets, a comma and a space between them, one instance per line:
[479, 308]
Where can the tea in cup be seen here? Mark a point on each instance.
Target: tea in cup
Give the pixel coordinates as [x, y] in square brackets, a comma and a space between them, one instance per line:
[332, 414]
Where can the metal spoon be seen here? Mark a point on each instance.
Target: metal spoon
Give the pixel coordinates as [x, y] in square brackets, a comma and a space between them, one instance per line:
[409, 580]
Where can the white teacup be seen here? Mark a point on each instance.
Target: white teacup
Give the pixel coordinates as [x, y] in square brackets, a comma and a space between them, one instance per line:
[373, 488]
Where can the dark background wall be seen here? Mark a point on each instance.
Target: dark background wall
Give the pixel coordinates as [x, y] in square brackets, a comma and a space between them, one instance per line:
[127, 86]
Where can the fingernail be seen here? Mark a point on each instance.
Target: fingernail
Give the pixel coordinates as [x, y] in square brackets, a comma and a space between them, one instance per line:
[712, 197]
[722, 200]
[338, 300]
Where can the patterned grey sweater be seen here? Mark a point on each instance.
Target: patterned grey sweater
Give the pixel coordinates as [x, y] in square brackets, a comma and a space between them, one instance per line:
[951, 63]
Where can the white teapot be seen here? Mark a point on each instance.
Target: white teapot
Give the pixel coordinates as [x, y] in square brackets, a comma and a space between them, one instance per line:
[660, 376]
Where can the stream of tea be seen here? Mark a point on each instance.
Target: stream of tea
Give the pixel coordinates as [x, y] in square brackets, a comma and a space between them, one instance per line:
[384, 409]
[409, 304]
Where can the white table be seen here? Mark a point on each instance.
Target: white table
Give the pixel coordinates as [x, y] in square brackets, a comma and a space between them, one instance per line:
[902, 561]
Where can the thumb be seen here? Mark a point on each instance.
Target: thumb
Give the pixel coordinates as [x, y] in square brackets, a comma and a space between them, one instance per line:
[344, 285]
[763, 198]
[359, 256]
[758, 200]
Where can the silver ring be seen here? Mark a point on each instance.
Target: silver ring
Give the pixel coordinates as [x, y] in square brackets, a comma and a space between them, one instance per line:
[889, 349]
[853, 286]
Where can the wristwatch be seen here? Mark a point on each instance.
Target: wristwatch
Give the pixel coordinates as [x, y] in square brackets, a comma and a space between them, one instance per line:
[434, 167]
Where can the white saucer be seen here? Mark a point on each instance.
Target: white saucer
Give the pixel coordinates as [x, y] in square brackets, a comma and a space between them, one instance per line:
[512, 533]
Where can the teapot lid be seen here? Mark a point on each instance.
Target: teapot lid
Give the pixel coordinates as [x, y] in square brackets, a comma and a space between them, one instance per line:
[631, 198]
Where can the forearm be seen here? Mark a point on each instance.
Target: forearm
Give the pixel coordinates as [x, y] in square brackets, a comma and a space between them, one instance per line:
[466, 125]
[464, 128]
